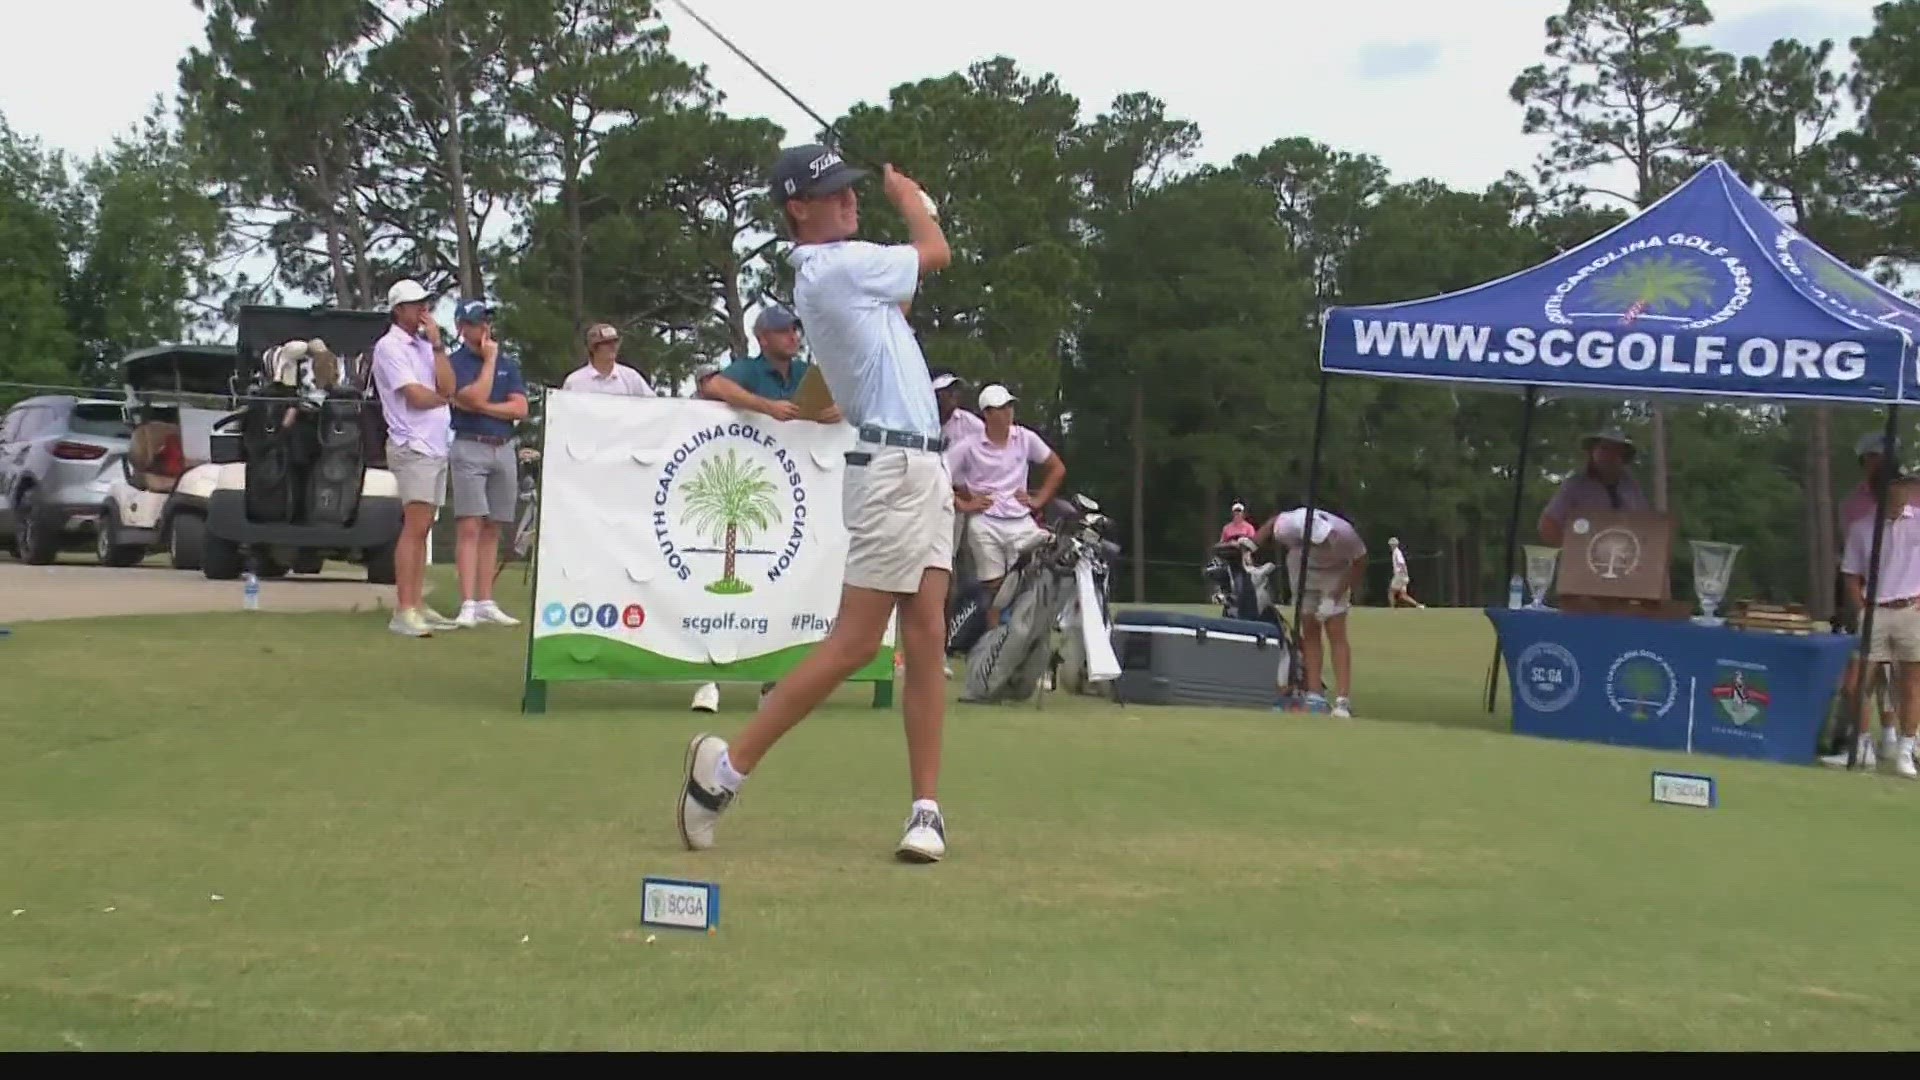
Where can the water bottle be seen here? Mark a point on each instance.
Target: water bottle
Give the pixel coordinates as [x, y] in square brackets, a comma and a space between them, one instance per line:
[1516, 596]
[251, 599]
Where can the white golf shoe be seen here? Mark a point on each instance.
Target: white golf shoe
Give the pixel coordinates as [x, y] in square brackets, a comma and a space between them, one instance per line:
[707, 698]
[702, 800]
[926, 837]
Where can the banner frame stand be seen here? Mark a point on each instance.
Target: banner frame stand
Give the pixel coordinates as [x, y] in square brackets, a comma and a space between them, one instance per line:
[533, 692]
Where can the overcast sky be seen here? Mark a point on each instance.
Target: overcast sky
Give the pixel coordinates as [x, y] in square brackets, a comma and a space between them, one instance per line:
[1418, 83]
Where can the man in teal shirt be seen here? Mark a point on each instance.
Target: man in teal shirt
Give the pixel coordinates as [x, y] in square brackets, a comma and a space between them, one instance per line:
[764, 384]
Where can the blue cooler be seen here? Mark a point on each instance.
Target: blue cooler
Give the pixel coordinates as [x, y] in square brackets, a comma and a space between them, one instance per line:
[1167, 658]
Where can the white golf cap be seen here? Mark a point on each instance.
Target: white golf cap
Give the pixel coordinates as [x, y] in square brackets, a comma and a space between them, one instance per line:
[944, 380]
[404, 291]
[1240, 506]
[995, 396]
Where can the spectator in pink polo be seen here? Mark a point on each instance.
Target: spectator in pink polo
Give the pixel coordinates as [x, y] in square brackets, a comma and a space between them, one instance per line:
[1239, 526]
[1604, 484]
[414, 378]
[1896, 616]
[990, 483]
[1334, 567]
[1858, 506]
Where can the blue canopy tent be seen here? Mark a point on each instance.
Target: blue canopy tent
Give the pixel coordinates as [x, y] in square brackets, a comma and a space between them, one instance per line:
[1706, 293]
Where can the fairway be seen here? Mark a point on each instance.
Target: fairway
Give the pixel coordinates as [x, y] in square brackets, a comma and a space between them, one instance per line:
[299, 832]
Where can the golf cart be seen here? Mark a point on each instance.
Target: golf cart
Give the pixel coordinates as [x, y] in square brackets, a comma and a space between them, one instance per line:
[302, 466]
[159, 493]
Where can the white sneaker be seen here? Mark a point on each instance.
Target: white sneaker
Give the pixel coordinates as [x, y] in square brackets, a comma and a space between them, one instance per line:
[469, 616]
[1343, 708]
[436, 620]
[707, 698]
[926, 837]
[1903, 760]
[490, 612]
[702, 799]
[408, 622]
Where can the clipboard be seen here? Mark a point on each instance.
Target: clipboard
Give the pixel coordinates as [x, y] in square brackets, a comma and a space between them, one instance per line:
[813, 397]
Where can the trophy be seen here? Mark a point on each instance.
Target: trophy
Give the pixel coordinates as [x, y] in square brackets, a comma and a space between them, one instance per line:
[1712, 572]
[1541, 563]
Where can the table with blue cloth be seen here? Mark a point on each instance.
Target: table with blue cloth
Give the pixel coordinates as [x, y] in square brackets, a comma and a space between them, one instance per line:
[1670, 684]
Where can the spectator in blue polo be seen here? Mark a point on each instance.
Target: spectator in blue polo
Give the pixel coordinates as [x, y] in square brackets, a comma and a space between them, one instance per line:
[489, 397]
[764, 383]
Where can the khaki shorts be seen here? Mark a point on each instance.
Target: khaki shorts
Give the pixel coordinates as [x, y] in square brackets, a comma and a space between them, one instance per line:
[1896, 635]
[897, 505]
[995, 543]
[421, 478]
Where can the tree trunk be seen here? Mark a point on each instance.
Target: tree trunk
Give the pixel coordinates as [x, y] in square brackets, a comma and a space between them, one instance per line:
[1825, 543]
[1660, 458]
[726, 572]
[1209, 531]
[577, 253]
[456, 168]
[1455, 587]
[1138, 431]
[337, 257]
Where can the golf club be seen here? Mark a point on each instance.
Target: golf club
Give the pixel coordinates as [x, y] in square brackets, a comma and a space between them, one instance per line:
[833, 133]
[765, 74]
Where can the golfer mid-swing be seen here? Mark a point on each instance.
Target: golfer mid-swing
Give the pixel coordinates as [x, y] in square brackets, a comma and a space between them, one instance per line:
[897, 501]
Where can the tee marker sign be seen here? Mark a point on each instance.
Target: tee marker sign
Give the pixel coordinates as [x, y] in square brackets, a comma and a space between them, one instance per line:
[1685, 789]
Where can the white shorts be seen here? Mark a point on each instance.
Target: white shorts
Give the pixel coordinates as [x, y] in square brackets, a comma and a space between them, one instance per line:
[897, 505]
[1314, 599]
[1399, 582]
[995, 543]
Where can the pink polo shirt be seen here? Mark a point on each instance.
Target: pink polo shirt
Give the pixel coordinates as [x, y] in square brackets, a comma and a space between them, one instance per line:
[998, 470]
[400, 358]
[1899, 554]
[1858, 504]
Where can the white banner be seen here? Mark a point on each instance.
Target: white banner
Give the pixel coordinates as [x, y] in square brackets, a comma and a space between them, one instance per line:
[686, 540]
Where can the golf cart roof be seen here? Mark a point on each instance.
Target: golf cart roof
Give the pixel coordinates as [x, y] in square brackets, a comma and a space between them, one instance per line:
[181, 369]
[346, 331]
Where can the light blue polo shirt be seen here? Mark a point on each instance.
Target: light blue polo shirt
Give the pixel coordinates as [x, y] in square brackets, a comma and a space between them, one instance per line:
[848, 295]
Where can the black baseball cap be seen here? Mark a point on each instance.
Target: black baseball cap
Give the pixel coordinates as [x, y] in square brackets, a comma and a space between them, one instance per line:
[803, 172]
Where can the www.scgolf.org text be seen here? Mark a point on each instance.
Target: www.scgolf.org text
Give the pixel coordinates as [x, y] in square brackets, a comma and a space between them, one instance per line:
[707, 624]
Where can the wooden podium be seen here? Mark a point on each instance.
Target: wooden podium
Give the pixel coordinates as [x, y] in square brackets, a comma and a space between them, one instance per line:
[1618, 562]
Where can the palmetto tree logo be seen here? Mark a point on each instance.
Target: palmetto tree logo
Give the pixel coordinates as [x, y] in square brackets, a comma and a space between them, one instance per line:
[1661, 284]
[1841, 282]
[730, 500]
[1641, 685]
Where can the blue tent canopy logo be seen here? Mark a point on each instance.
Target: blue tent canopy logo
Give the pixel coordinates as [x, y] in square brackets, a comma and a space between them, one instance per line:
[1680, 279]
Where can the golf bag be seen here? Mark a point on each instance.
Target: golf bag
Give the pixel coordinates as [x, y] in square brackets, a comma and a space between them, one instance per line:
[272, 457]
[1007, 662]
[1244, 590]
[333, 486]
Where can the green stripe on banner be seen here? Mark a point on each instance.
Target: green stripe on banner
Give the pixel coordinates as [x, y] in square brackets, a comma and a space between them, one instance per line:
[587, 657]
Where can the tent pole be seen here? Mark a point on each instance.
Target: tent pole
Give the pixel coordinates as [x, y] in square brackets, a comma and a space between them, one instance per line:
[1889, 462]
[1513, 530]
[1313, 494]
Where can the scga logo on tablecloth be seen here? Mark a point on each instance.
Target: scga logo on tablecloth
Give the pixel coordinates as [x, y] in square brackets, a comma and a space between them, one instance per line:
[724, 488]
[1641, 684]
[1549, 677]
[1740, 692]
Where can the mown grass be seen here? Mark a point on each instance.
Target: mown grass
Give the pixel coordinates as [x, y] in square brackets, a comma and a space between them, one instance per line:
[406, 862]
